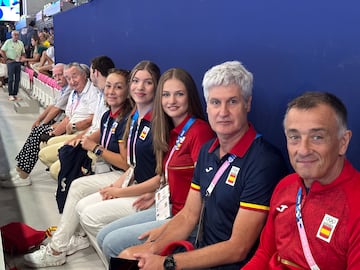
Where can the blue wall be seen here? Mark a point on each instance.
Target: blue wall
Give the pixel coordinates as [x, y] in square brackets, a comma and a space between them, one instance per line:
[290, 46]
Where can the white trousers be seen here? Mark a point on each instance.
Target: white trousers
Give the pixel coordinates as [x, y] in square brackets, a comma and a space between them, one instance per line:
[80, 188]
[95, 213]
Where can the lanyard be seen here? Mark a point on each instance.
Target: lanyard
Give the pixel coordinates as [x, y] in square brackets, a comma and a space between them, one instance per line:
[78, 97]
[179, 141]
[209, 190]
[218, 174]
[110, 132]
[304, 241]
[133, 121]
[74, 103]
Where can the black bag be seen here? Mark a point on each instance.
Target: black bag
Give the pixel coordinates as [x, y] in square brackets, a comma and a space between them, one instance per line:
[123, 264]
[74, 163]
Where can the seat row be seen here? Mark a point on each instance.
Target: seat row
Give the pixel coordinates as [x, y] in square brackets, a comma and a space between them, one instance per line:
[39, 86]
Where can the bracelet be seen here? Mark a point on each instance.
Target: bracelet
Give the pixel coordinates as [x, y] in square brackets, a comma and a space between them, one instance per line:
[96, 146]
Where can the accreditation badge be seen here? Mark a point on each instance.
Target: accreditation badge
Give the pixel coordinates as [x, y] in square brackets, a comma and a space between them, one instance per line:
[144, 133]
[129, 175]
[327, 228]
[162, 203]
[231, 179]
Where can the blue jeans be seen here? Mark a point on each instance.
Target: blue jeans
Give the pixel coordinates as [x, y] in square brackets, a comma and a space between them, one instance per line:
[14, 70]
[124, 232]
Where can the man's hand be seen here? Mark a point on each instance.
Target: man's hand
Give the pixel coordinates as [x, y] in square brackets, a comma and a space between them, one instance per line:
[35, 124]
[148, 261]
[152, 235]
[138, 249]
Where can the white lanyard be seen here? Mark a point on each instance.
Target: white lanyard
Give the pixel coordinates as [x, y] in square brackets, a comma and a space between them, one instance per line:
[304, 241]
[133, 121]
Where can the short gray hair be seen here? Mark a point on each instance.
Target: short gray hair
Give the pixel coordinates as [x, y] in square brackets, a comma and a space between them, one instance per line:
[229, 73]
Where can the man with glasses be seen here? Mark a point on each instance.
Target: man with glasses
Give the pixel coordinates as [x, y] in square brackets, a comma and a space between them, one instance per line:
[12, 50]
[78, 116]
[98, 72]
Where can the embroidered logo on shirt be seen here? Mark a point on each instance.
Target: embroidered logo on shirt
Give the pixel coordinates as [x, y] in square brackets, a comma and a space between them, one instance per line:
[231, 179]
[282, 208]
[327, 228]
[144, 133]
[209, 169]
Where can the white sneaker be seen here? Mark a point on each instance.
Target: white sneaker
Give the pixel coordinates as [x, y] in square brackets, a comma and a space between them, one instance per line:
[44, 258]
[11, 98]
[16, 181]
[77, 242]
[13, 173]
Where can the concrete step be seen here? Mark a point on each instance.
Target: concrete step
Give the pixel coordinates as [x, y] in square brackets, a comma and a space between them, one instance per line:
[27, 105]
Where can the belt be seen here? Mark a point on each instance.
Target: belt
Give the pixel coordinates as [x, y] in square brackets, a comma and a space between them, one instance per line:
[290, 263]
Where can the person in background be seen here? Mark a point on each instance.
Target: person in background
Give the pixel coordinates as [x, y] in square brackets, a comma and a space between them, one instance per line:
[35, 53]
[12, 51]
[177, 121]
[78, 116]
[43, 36]
[314, 218]
[47, 59]
[44, 123]
[99, 69]
[26, 34]
[139, 156]
[234, 177]
[53, 113]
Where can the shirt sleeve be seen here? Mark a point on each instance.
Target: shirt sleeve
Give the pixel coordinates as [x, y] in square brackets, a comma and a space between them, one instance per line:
[266, 249]
[62, 100]
[203, 133]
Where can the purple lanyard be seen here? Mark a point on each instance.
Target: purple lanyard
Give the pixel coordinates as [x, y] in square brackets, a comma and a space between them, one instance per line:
[218, 174]
[110, 133]
[74, 103]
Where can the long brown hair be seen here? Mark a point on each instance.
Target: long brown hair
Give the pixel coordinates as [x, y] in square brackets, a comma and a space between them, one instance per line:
[161, 122]
[154, 71]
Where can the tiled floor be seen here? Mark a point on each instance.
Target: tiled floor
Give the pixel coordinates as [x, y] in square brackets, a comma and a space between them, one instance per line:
[35, 205]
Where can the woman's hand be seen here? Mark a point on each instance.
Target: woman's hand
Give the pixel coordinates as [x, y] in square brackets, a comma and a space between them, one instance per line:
[87, 143]
[144, 201]
[110, 192]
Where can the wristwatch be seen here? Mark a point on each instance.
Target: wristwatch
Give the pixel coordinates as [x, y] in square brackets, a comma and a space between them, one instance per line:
[170, 263]
[98, 151]
[73, 127]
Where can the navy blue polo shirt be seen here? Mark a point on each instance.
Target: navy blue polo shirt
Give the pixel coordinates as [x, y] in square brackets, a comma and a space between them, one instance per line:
[248, 183]
[144, 152]
[111, 127]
